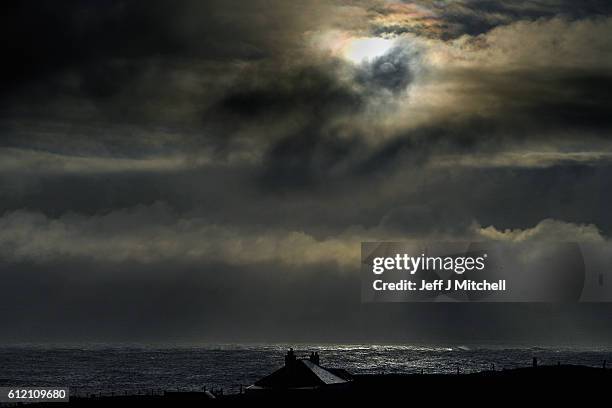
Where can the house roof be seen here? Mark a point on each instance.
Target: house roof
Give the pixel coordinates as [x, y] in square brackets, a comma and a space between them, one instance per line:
[299, 374]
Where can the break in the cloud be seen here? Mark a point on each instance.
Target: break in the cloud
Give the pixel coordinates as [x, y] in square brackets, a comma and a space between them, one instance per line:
[283, 133]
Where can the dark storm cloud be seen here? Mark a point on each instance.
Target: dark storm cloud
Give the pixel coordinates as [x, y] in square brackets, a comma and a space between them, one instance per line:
[47, 37]
[206, 170]
[310, 96]
[134, 61]
[497, 197]
[312, 89]
[314, 97]
[552, 99]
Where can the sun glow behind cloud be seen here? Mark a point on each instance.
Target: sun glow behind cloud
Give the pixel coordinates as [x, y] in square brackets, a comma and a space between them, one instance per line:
[363, 49]
[353, 49]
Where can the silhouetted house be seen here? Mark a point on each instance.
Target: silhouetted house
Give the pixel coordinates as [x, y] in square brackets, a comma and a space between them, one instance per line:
[302, 374]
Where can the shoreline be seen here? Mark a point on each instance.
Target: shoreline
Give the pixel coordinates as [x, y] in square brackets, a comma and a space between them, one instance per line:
[552, 380]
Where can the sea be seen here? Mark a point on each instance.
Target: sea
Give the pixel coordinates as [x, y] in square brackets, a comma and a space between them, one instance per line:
[112, 370]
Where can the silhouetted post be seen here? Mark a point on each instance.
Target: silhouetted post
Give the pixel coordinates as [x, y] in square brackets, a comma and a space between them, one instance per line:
[604, 364]
[492, 366]
[457, 369]
[535, 362]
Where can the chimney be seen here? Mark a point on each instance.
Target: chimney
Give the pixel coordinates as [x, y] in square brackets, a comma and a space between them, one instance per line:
[290, 357]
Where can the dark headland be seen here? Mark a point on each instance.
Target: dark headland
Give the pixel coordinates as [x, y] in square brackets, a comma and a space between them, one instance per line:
[305, 381]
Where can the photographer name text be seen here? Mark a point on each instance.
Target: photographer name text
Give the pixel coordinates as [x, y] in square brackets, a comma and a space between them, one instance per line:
[440, 285]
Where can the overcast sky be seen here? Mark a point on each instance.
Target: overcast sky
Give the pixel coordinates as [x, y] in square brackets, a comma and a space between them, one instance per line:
[200, 171]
